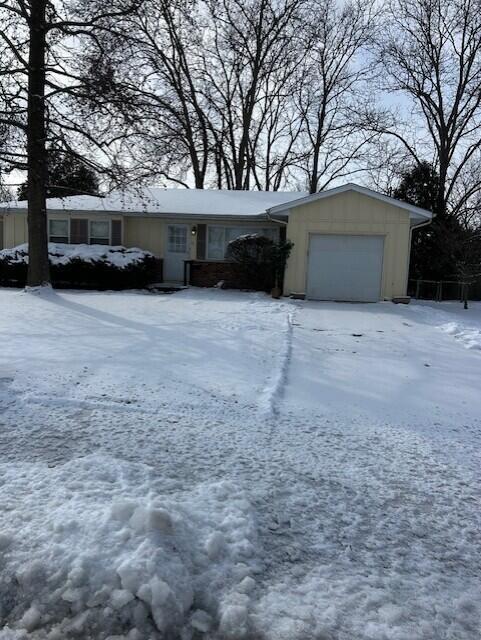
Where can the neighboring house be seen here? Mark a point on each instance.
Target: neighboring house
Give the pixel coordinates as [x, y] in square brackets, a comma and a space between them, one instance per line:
[350, 243]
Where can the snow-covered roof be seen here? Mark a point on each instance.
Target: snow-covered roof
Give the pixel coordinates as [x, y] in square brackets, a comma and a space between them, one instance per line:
[186, 202]
[416, 213]
[206, 203]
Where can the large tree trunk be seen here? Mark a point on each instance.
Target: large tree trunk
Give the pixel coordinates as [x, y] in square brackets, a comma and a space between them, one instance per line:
[38, 265]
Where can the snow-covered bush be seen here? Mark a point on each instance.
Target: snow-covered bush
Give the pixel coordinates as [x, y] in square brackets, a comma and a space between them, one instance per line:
[84, 266]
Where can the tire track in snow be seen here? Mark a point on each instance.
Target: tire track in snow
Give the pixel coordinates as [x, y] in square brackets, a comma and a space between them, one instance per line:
[274, 389]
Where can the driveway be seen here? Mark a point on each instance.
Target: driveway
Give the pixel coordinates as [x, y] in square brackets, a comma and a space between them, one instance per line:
[222, 464]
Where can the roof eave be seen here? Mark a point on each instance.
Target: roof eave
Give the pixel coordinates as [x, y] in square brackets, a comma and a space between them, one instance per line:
[148, 214]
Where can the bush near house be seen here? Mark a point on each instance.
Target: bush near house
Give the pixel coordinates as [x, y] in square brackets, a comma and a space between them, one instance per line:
[258, 262]
[84, 266]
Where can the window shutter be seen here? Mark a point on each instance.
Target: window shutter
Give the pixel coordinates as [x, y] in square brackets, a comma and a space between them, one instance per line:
[201, 241]
[116, 233]
[79, 231]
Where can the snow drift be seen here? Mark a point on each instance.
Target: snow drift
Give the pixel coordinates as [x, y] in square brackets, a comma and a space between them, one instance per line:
[470, 337]
[99, 547]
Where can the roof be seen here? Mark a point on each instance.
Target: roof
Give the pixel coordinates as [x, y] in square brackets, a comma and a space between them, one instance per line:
[208, 203]
[185, 202]
[415, 212]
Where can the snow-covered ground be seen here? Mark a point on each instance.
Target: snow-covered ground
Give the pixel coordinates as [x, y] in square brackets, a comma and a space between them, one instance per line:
[214, 464]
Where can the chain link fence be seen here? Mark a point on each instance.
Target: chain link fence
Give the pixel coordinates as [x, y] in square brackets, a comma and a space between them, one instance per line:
[445, 290]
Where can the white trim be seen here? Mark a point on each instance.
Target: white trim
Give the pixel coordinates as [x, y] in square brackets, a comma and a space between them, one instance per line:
[417, 211]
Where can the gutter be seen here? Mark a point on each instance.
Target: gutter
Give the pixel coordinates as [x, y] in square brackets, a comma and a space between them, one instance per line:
[245, 217]
[269, 217]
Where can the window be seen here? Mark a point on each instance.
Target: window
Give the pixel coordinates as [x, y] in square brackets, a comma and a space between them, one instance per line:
[218, 238]
[99, 232]
[58, 231]
[216, 243]
[176, 239]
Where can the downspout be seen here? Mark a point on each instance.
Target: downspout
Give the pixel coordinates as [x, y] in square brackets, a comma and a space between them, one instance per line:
[411, 229]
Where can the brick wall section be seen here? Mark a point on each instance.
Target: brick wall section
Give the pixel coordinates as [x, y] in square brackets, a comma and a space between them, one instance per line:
[208, 274]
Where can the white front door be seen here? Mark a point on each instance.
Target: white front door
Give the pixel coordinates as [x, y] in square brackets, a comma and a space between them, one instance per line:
[176, 251]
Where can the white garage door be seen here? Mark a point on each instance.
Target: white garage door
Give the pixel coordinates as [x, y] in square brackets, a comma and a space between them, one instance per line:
[345, 267]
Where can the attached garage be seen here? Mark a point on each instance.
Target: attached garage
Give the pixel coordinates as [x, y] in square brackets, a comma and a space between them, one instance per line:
[345, 267]
[350, 244]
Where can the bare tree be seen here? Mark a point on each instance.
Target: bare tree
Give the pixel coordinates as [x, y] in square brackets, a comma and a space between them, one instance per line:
[39, 86]
[430, 53]
[210, 86]
[252, 56]
[243, 93]
[163, 74]
[334, 36]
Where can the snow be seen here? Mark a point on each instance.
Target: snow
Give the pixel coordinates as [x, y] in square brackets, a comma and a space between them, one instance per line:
[65, 253]
[203, 202]
[217, 464]
[459, 327]
[98, 544]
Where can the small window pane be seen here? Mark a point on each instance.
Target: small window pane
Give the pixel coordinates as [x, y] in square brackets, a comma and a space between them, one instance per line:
[99, 232]
[177, 239]
[58, 231]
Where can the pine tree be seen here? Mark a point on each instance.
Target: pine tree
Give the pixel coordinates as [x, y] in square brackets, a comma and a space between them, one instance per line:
[431, 258]
[67, 176]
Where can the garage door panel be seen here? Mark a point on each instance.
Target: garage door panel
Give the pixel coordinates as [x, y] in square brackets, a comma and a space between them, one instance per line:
[345, 267]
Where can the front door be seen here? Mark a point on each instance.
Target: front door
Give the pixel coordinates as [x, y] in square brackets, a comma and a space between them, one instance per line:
[176, 251]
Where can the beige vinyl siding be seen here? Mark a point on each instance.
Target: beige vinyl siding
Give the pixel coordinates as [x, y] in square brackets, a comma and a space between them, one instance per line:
[149, 233]
[14, 230]
[145, 233]
[356, 214]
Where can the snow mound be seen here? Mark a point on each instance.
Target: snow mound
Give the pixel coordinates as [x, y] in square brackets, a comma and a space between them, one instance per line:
[99, 547]
[469, 336]
[65, 253]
